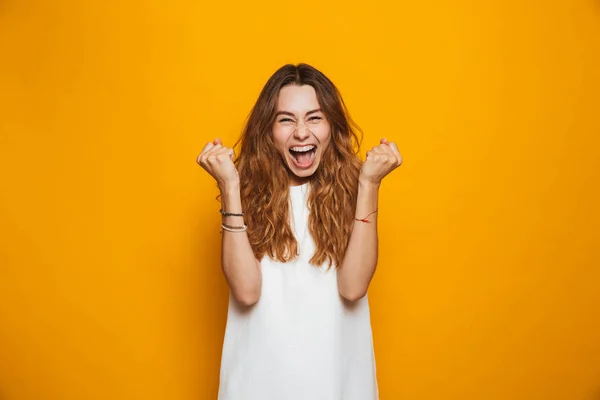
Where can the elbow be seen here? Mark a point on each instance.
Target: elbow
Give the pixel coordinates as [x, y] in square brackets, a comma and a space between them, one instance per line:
[353, 295]
[352, 288]
[247, 298]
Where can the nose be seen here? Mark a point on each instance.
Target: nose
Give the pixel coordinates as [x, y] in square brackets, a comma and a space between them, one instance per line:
[301, 132]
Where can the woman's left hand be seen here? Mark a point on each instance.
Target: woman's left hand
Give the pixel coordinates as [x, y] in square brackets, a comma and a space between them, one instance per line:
[381, 160]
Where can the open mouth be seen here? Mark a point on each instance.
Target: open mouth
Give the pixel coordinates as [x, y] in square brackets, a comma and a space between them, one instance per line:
[303, 156]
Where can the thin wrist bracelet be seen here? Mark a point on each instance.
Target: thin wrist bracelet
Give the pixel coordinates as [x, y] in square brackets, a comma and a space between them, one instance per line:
[365, 218]
[230, 214]
[230, 228]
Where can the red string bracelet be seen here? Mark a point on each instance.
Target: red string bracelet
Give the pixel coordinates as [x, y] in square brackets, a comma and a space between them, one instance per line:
[365, 218]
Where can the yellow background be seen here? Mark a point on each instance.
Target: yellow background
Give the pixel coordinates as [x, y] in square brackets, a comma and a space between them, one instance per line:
[488, 282]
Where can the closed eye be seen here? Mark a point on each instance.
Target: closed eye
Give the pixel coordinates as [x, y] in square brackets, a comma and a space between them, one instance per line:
[286, 120]
[316, 117]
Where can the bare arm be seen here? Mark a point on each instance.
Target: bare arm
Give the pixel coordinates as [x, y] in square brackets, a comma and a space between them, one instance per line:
[240, 267]
[360, 260]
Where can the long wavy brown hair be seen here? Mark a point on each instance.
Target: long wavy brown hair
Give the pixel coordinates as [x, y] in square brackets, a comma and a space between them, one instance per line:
[264, 179]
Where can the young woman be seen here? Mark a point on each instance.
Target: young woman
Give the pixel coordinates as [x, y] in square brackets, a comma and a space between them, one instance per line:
[299, 245]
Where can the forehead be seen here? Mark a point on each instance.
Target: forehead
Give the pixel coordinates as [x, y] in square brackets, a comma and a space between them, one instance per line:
[298, 99]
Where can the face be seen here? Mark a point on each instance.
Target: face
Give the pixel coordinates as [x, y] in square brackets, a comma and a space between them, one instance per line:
[301, 132]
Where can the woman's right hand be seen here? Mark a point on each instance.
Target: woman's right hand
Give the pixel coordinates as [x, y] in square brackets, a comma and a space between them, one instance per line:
[217, 160]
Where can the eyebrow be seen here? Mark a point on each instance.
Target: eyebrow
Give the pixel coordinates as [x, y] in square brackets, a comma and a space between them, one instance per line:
[292, 114]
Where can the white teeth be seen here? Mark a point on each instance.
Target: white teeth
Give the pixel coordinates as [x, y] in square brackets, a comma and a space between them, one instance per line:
[302, 148]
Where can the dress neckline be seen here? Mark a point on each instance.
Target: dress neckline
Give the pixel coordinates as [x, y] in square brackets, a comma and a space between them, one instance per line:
[300, 188]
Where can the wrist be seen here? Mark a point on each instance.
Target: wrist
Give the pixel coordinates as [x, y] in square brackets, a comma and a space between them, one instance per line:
[229, 187]
[231, 200]
[368, 183]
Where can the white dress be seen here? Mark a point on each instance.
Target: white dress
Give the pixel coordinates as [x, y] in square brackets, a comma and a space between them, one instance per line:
[301, 340]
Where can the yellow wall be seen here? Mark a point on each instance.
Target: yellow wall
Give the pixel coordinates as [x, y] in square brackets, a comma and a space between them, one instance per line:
[488, 281]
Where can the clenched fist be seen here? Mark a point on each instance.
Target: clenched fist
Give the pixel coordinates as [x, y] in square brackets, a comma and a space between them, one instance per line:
[381, 160]
[217, 160]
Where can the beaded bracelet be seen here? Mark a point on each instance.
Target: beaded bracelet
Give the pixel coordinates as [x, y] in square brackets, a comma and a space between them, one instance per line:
[229, 214]
[365, 218]
[230, 228]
